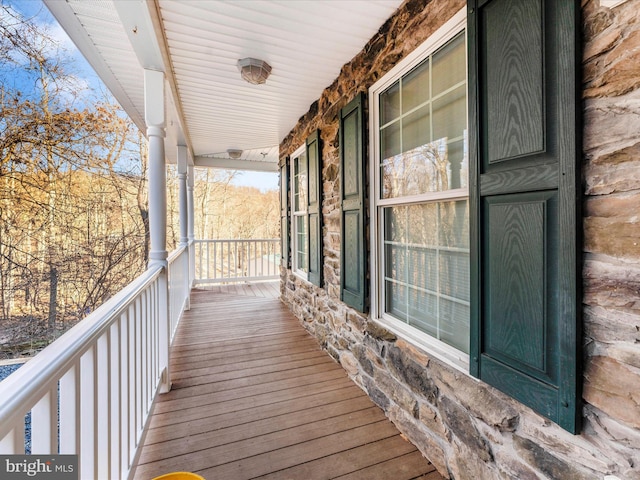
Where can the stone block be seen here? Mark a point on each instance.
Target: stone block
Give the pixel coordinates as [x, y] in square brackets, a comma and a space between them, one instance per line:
[355, 319]
[615, 444]
[601, 44]
[422, 438]
[415, 353]
[616, 237]
[378, 397]
[511, 467]
[613, 388]
[411, 373]
[360, 353]
[611, 282]
[625, 353]
[431, 419]
[460, 422]
[542, 460]
[609, 122]
[378, 332]
[395, 391]
[465, 465]
[349, 363]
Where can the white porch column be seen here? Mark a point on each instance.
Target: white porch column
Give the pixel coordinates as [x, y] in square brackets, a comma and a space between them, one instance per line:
[184, 218]
[191, 227]
[154, 111]
[182, 193]
[154, 116]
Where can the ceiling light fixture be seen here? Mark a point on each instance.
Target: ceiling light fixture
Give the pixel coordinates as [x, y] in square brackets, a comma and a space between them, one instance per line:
[234, 153]
[253, 70]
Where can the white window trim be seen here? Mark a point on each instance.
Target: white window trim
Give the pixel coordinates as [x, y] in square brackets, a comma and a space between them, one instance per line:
[293, 235]
[431, 345]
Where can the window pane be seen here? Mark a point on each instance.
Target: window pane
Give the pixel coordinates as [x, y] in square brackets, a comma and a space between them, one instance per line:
[427, 267]
[416, 129]
[301, 243]
[390, 140]
[390, 104]
[423, 312]
[300, 184]
[449, 65]
[450, 114]
[415, 87]
[396, 299]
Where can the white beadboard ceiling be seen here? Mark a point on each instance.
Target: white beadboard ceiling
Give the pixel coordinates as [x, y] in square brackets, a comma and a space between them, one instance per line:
[197, 44]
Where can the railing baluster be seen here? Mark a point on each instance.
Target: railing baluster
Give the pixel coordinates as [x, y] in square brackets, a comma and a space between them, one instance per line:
[69, 402]
[138, 363]
[125, 373]
[13, 441]
[88, 415]
[44, 423]
[102, 406]
[132, 354]
[115, 373]
[209, 259]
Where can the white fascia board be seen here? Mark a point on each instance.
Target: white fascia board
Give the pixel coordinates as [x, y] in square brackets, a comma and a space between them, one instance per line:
[231, 164]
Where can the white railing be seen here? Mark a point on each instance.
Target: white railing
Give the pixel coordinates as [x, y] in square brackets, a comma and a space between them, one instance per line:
[90, 392]
[229, 261]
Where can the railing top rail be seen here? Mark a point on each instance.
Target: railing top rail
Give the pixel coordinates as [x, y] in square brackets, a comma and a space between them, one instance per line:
[24, 387]
[237, 240]
[175, 254]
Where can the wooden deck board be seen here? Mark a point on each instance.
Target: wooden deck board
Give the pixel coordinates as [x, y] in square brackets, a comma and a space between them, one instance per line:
[255, 397]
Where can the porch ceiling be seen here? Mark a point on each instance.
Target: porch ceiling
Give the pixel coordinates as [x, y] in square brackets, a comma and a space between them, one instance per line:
[197, 44]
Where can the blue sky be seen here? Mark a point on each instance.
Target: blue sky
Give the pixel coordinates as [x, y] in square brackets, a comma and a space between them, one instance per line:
[88, 79]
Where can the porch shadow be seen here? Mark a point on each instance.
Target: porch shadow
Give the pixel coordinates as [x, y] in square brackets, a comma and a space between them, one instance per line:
[254, 396]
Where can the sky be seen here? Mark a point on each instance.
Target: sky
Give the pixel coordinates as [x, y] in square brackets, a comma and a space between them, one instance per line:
[87, 77]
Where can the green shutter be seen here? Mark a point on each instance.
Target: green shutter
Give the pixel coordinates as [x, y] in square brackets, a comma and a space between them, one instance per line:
[315, 208]
[352, 185]
[524, 202]
[284, 214]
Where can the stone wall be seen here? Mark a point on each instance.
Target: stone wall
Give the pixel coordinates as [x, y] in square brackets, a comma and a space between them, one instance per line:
[466, 428]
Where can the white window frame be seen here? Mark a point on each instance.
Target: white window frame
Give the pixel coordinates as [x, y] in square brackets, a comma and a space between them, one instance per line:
[437, 348]
[295, 214]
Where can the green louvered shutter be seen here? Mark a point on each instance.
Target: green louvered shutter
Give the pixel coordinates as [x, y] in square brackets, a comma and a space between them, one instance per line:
[315, 208]
[352, 185]
[524, 202]
[285, 214]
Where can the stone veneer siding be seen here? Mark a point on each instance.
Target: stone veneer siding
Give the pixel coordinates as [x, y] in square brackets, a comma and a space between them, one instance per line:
[466, 428]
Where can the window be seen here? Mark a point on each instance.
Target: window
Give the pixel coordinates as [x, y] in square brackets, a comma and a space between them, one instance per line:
[306, 221]
[300, 221]
[421, 195]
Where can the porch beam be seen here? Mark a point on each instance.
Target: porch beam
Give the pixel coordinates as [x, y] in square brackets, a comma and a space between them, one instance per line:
[232, 164]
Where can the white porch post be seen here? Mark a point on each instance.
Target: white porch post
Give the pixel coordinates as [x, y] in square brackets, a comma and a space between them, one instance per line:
[155, 119]
[191, 228]
[182, 193]
[184, 217]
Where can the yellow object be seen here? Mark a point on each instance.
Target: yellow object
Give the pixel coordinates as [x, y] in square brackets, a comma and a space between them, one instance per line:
[179, 476]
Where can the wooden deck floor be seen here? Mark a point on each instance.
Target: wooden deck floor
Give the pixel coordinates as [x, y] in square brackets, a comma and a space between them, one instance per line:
[255, 397]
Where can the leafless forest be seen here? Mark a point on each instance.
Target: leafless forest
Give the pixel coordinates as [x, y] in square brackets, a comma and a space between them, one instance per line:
[73, 193]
